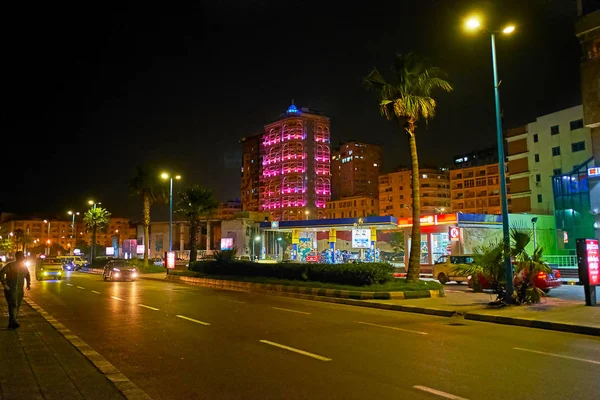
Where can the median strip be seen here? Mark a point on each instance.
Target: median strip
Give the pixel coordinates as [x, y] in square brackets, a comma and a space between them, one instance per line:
[558, 355]
[148, 307]
[305, 353]
[288, 310]
[391, 327]
[439, 393]
[192, 319]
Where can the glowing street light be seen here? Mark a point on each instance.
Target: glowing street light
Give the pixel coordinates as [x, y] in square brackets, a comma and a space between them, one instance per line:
[73, 214]
[474, 23]
[166, 176]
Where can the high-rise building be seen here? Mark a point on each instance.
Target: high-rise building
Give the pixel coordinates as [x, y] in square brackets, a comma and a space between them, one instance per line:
[353, 207]
[476, 189]
[295, 176]
[488, 155]
[251, 167]
[395, 192]
[355, 168]
[554, 144]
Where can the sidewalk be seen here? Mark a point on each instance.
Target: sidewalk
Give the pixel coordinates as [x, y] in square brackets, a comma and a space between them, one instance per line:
[39, 363]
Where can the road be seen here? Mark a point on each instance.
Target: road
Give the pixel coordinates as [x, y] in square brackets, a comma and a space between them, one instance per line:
[181, 342]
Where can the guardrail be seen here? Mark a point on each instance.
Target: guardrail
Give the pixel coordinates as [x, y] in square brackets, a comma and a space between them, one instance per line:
[561, 261]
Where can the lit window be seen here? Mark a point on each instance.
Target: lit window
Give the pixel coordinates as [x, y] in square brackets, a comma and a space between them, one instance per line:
[424, 176]
[375, 165]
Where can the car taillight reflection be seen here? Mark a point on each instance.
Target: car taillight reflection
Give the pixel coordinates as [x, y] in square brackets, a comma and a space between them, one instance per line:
[542, 275]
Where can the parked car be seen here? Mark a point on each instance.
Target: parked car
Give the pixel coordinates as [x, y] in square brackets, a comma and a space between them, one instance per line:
[158, 261]
[443, 269]
[48, 268]
[312, 257]
[119, 270]
[542, 280]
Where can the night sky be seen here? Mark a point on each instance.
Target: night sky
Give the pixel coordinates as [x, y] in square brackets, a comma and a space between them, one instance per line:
[92, 91]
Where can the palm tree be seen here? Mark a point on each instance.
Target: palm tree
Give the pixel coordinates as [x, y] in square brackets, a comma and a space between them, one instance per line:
[406, 100]
[194, 203]
[94, 218]
[145, 184]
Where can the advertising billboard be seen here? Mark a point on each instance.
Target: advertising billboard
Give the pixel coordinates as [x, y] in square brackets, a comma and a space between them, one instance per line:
[361, 238]
[226, 243]
[110, 251]
[170, 260]
[588, 259]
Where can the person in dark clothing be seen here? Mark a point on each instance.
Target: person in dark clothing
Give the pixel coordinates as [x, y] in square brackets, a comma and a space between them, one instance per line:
[12, 276]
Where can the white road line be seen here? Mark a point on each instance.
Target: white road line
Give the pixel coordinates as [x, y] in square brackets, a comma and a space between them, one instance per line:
[235, 301]
[148, 307]
[192, 319]
[93, 291]
[117, 298]
[287, 309]
[439, 393]
[558, 355]
[69, 284]
[392, 327]
[80, 287]
[305, 353]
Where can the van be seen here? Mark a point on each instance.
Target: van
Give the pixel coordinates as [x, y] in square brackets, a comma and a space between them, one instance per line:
[77, 261]
[443, 269]
[48, 268]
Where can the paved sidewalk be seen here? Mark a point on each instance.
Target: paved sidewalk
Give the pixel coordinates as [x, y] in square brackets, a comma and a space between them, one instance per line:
[39, 363]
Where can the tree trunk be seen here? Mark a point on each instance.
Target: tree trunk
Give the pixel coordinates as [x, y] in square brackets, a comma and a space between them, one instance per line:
[194, 239]
[414, 262]
[93, 248]
[146, 201]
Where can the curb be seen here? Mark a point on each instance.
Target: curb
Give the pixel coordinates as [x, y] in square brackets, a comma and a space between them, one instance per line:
[533, 323]
[129, 389]
[320, 292]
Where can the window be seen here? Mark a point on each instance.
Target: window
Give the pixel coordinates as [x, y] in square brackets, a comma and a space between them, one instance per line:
[535, 138]
[539, 198]
[579, 146]
[538, 178]
[557, 171]
[554, 130]
[537, 158]
[556, 151]
[578, 124]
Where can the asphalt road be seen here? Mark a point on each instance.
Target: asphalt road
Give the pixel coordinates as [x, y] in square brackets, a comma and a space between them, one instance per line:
[182, 342]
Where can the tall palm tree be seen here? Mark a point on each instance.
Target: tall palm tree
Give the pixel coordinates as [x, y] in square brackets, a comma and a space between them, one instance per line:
[194, 203]
[145, 184]
[406, 100]
[94, 218]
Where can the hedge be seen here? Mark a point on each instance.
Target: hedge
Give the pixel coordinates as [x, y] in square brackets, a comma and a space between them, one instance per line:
[357, 274]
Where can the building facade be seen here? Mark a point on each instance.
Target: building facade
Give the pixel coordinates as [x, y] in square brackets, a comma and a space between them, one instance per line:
[476, 189]
[251, 166]
[554, 144]
[227, 209]
[37, 232]
[295, 175]
[355, 168]
[395, 192]
[488, 155]
[351, 207]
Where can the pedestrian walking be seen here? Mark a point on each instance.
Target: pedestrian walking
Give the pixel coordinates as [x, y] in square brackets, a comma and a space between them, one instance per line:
[12, 276]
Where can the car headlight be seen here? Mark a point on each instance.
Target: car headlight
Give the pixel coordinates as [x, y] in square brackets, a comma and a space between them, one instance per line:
[116, 269]
[27, 263]
[45, 273]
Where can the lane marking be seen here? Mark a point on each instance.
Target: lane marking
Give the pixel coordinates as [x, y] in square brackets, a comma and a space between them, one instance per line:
[79, 287]
[558, 355]
[287, 309]
[392, 327]
[148, 307]
[69, 284]
[439, 393]
[93, 291]
[235, 301]
[192, 319]
[305, 353]
[117, 298]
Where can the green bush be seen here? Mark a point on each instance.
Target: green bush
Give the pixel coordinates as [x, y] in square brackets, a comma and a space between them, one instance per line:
[361, 274]
[146, 268]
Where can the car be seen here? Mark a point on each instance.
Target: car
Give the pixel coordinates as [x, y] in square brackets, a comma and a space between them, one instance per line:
[158, 261]
[119, 270]
[543, 281]
[77, 262]
[48, 268]
[443, 269]
[312, 257]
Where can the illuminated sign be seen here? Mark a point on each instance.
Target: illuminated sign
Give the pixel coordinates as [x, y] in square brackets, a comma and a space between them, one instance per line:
[592, 256]
[77, 252]
[139, 249]
[454, 234]
[360, 238]
[565, 237]
[110, 251]
[274, 224]
[593, 172]
[170, 260]
[226, 243]
[427, 219]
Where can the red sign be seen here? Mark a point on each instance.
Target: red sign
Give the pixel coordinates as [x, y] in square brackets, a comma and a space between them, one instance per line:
[454, 234]
[565, 237]
[593, 255]
[170, 260]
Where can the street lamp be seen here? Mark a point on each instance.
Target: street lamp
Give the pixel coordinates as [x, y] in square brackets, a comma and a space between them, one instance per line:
[256, 239]
[474, 24]
[73, 214]
[47, 252]
[93, 203]
[166, 176]
[306, 213]
[533, 221]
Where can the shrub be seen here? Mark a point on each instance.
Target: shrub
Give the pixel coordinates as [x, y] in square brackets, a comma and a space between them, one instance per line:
[146, 268]
[348, 274]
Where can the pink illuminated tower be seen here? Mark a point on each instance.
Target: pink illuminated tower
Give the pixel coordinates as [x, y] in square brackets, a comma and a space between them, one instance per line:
[295, 178]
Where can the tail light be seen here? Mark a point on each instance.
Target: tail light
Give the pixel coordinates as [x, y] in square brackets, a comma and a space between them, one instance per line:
[542, 275]
[557, 273]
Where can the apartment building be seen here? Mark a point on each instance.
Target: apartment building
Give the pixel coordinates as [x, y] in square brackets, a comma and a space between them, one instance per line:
[476, 189]
[355, 168]
[351, 207]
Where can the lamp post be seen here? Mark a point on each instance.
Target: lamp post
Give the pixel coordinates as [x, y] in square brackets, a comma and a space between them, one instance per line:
[47, 252]
[475, 24]
[166, 176]
[306, 213]
[93, 203]
[256, 239]
[73, 214]
[533, 221]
